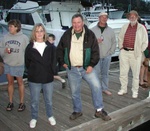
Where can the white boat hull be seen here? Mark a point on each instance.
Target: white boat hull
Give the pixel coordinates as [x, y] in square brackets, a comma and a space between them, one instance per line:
[55, 16]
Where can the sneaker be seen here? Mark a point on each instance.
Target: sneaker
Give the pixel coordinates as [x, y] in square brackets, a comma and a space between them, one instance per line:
[75, 115]
[102, 114]
[121, 92]
[134, 95]
[52, 121]
[33, 123]
[107, 92]
[63, 80]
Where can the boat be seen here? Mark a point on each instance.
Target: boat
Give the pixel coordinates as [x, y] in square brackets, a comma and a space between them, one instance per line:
[147, 23]
[55, 16]
[1, 12]
[92, 13]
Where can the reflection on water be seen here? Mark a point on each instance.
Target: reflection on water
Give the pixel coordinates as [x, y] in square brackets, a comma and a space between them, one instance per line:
[143, 127]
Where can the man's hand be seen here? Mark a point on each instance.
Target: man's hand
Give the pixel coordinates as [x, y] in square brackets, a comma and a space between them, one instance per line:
[65, 66]
[89, 69]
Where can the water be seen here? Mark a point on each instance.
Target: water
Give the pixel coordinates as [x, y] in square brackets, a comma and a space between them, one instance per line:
[143, 127]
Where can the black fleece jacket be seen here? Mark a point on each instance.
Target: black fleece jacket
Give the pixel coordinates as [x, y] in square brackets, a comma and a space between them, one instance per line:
[90, 48]
[40, 69]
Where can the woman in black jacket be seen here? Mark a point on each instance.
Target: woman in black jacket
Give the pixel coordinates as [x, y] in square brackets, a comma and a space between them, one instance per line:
[40, 63]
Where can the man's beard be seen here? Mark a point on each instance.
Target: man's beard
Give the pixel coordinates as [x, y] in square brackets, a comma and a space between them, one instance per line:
[133, 22]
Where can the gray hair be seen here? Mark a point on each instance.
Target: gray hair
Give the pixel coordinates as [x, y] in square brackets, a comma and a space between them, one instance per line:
[77, 15]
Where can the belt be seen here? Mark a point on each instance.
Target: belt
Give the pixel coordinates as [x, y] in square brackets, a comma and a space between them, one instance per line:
[128, 49]
[78, 66]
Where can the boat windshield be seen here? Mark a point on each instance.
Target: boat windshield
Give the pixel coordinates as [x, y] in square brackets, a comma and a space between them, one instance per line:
[25, 18]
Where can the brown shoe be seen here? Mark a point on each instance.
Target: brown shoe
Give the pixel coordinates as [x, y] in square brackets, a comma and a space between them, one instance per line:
[75, 115]
[143, 85]
[107, 92]
[102, 114]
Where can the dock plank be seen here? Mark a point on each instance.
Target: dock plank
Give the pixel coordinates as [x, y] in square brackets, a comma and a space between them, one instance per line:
[125, 111]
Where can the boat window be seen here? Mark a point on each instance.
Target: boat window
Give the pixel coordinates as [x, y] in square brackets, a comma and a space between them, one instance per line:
[25, 18]
[98, 8]
[148, 22]
[11, 16]
[48, 17]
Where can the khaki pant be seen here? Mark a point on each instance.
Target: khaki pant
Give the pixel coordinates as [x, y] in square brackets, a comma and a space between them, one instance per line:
[127, 61]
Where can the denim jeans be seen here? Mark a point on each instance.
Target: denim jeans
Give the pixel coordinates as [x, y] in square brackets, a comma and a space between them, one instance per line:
[103, 70]
[35, 89]
[75, 76]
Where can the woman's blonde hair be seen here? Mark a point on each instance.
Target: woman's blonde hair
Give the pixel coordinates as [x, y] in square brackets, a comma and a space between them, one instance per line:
[33, 38]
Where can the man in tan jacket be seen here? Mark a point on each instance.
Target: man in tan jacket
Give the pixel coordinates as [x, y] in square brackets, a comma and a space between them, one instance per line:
[133, 40]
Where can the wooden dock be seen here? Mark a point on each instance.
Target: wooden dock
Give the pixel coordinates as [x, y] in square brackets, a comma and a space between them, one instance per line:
[125, 111]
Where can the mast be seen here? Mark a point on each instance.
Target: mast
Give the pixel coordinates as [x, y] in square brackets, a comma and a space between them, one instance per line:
[107, 3]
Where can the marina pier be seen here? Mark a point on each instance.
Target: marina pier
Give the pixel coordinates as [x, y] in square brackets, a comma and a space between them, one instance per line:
[126, 112]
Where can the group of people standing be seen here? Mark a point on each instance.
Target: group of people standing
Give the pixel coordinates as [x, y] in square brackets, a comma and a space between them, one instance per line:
[84, 53]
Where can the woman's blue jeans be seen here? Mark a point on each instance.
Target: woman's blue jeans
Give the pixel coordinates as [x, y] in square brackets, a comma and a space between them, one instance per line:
[35, 89]
[75, 76]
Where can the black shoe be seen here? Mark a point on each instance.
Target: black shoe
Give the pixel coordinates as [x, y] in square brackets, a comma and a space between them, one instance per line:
[21, 107]
[102, 114]
[63, 85]
[75, 115]
[10, 106]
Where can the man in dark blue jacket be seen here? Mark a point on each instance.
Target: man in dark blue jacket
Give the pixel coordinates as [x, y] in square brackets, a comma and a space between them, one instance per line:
[78, 53]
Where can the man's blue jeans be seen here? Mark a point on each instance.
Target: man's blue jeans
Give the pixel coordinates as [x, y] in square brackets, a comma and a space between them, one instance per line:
[103, 70]
[35, 89]
[75, 76]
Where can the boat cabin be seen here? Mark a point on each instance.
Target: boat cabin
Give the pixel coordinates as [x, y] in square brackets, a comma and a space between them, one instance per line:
[55, 16]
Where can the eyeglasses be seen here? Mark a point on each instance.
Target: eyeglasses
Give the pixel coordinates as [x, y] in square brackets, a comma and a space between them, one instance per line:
[39, 31]
[132, 17]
